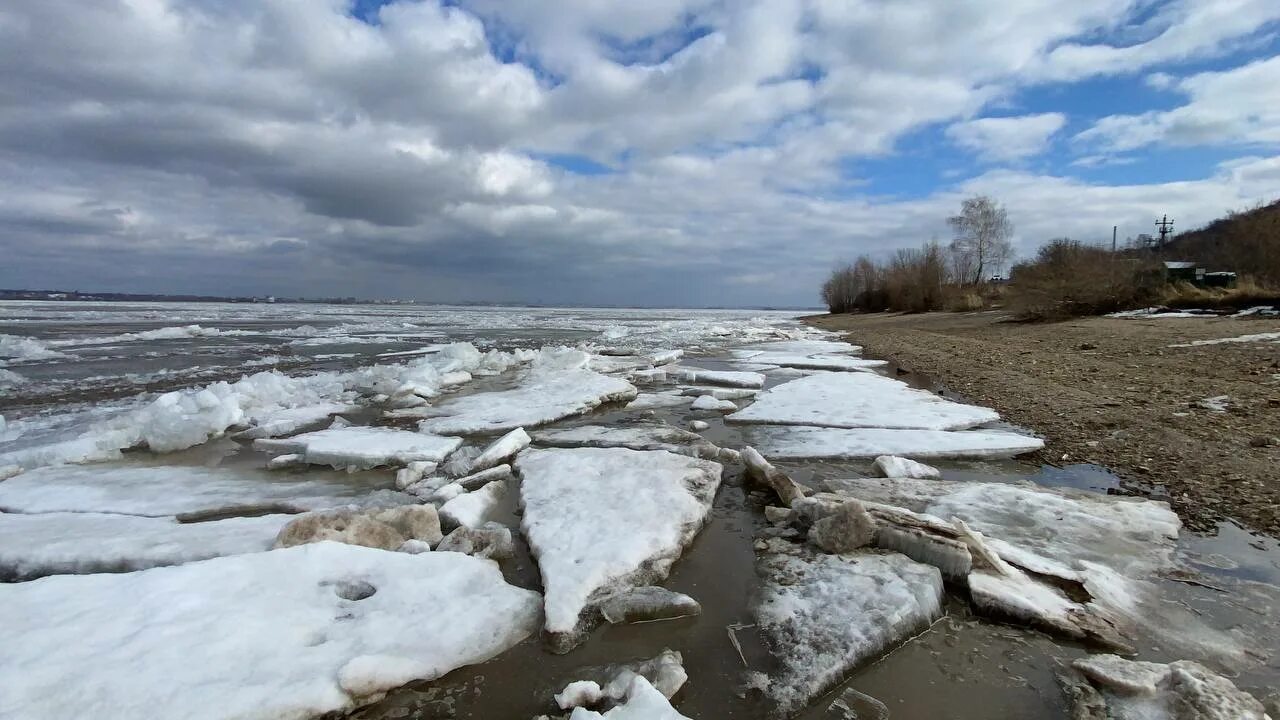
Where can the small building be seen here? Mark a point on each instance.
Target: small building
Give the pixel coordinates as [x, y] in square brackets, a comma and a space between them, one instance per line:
[1179, 270]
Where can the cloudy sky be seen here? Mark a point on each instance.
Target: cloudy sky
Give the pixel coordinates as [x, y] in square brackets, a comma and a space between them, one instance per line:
[689, 152]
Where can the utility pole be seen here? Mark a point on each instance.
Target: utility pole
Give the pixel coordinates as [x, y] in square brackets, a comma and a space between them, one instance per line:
[1165, 226]
[1113, 238]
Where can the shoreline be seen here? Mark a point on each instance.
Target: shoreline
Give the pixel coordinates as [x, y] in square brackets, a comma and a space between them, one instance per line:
[1112, 392]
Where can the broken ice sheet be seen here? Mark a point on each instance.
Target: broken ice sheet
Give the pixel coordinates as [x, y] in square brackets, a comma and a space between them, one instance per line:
[635, 437]
[363, 447]
[42, 544]
[359, 623]
[859, 400]
[797, 442]
[823, 615]
[545, 395]
[600, 520]
[159, 491]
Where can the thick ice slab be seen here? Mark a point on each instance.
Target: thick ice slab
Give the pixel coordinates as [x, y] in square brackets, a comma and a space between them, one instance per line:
[635, 437]
[291, 633]
[545, 396]
[603, 519]
[730, 378]
[812, 443]
[33, 546]
[856, 400]
[823, 615]
[650, 401]
[363, 447]
[159, 491]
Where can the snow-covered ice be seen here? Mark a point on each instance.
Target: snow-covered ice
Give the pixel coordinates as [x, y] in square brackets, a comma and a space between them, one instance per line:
[731, 378]
[546, 395]
[500, 451]
[793, 442]
[363, 447]
[807, 347]
[599, 520]
[471, 509]
[652, 401]
[579, 693]
[86, 542]
[859, 400]
[1273, 337]
[294, 633]
[823, 615]
[159, 491]
[1181, 690]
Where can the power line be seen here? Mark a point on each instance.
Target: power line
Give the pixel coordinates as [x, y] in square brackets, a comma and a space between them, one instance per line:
[1165, 226]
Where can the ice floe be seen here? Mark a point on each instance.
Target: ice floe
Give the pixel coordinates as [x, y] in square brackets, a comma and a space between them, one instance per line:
[19, 348]
[292, 420]
[361, 447]
[547, 394]
[653, 401]
[500, 451]
[635, 437]
[730, 378]
[859, 400]
[156, 491]
[600, 520]
[813, 443]
[806, 347]
[34, 545]
[1273, 337]
[891, 466]
[471, 509]
[814, 362]
[710, 404]
[823, 615]
[318, 629]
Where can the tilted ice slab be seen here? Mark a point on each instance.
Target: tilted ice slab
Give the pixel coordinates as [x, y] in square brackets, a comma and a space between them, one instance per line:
[32, 546]
[293, 633]
[600, 520]
[814, 362]
[634, 437]
[156, 491]
[1128, 535]
[823, 615]
[854, 400]
[544, 397]
[363, 447]
[810, 443]
[291, 420]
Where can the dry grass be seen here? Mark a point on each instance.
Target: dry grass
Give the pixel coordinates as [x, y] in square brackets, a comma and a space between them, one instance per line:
[1246, 293]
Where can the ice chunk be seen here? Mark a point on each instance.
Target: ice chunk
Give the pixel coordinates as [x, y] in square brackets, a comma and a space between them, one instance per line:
[720, 393]
[580, 693]
[8, 471]
[291, 420]
[846, 529]
[501, 451]
[665, 671]
[698, 425]
[491, 540]
[859, 400]
[9, 378]
[761, 471]
[42, 544]
[814, 443]
[363, 447]
[645, 604]
[599, 520]
[484, 477]
[383, 528]
[160, 491]
[732, 378]
[652, 401]
[635, 437]
[709, 403]
[546, 395]
[318, 629]
[1181, 690]
[18, 348]
[643, 702]
[471, 509]
[823, 615]
[413, 472]
[891, 466]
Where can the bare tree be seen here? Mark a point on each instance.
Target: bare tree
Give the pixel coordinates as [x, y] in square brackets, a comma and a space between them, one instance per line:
[982, 239]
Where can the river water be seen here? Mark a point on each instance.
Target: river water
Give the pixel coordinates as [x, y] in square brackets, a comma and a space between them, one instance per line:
[66, 365]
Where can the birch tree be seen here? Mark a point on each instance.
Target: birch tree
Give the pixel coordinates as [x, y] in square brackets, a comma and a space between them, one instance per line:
[981, 244]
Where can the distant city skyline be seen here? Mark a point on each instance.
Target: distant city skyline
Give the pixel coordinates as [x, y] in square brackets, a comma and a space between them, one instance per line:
[670, 153]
